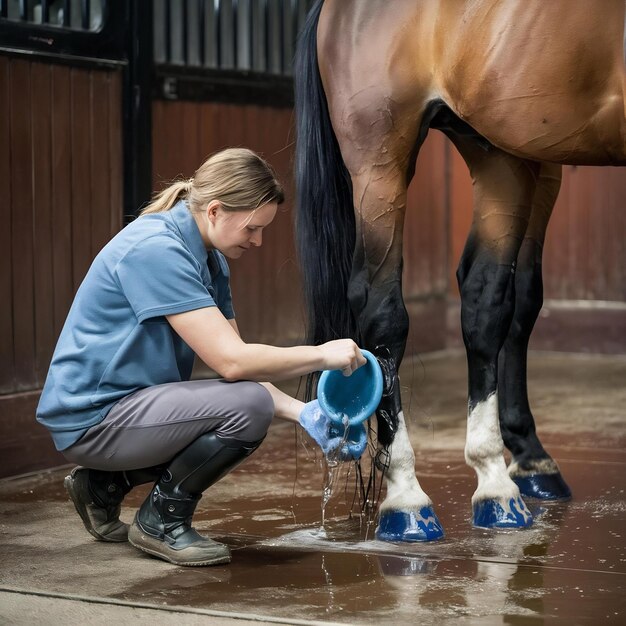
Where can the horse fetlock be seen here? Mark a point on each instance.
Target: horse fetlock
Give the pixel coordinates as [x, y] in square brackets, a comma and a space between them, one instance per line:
[495, 487]
[405, 497]
[532, 467]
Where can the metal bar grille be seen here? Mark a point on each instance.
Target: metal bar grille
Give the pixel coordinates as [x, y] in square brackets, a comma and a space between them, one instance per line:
[257, 35]
[78, 15]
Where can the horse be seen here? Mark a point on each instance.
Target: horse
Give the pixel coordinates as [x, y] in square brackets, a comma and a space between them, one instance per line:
[520, 88]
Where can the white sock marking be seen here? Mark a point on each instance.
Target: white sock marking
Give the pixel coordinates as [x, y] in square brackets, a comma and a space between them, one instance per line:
[403, 490]
[484, 452]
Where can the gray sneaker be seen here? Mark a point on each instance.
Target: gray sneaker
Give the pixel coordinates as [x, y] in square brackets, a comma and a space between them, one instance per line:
[97, 496]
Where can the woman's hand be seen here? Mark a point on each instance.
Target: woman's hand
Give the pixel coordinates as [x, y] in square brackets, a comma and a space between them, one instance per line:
[342, 354]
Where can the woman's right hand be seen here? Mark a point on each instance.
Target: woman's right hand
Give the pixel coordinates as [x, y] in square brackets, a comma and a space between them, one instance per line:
[342, 354]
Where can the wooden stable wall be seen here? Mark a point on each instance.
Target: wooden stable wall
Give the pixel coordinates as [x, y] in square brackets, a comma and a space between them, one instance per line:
[265, 281]
[61, 198]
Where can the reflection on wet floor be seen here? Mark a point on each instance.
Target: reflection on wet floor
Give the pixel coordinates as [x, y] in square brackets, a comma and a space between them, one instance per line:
[570, 566]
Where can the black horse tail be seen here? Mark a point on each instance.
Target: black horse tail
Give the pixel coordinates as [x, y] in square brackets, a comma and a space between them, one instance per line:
[325, 223]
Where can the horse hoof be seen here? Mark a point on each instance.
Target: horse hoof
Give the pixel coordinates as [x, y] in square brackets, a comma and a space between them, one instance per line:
[409, 526]
[543, 486]
[501, 514]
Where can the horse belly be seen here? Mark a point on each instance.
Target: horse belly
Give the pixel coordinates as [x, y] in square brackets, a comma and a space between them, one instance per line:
[541, 80]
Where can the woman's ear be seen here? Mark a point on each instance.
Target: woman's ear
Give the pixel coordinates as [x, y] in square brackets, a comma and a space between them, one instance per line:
[212, 210]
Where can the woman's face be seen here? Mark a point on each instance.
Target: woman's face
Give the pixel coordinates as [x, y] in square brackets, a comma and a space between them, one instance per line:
[234, 232]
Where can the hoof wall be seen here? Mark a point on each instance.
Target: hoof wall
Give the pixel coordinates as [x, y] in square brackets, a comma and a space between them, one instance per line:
[411, 526]
[543, 486]
[502, 514]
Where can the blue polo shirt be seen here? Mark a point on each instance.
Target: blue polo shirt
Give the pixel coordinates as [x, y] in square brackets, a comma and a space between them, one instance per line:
[116, 339]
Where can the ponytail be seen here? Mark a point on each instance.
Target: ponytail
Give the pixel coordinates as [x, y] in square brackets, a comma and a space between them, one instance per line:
[167, 198]
[239, 178]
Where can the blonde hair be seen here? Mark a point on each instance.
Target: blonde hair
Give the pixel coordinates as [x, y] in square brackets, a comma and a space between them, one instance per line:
[239, 178]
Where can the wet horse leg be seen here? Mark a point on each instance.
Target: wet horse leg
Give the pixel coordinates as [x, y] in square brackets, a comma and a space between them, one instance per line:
[532, 469]
[380, 164]
[375, 293]
[503, 190]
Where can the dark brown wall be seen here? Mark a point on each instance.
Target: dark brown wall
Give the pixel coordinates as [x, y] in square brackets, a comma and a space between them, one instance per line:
[265, 281]
[60, 197]
[425, 278]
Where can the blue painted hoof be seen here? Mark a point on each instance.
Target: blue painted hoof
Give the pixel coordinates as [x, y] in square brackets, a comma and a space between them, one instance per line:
[492, 514]
[543, 486]
[402, 526]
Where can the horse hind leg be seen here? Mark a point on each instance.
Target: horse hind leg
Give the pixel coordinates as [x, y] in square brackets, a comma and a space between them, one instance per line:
[503, 191]
[532, 469]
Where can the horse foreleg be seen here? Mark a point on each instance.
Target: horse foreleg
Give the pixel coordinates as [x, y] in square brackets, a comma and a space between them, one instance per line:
[406, 513]
[375, 293]
[503, 191]
[532, 468]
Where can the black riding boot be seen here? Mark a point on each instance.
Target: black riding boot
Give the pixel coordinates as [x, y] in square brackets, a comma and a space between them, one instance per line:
[97, 496]
[162, 526]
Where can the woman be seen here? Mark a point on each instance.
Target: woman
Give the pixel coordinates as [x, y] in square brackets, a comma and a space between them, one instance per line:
[118, 400]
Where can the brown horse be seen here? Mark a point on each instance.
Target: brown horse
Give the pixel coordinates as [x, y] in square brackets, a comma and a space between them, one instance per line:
[520, 87]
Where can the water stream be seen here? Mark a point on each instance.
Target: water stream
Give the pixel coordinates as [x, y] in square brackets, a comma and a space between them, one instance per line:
[332, 463]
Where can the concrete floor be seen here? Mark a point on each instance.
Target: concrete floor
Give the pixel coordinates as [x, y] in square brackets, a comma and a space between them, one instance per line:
[569, 568]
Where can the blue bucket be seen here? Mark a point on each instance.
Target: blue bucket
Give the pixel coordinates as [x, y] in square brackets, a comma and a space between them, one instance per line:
[356, 396]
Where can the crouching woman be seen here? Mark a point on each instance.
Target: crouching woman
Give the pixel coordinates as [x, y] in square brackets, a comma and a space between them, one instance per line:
[118, 399]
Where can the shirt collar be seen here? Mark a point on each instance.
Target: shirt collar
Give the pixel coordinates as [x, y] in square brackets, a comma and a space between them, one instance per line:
[182, 217]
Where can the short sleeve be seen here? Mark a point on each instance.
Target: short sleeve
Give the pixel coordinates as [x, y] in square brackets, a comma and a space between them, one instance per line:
[159, 276]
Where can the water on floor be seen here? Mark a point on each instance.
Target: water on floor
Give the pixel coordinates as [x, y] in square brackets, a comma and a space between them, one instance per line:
[570, 566]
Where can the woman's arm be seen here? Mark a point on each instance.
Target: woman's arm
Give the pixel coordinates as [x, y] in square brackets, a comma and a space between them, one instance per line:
[285, 407]
[210, 335]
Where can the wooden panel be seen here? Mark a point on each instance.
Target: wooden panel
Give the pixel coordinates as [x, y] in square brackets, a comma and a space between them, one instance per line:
[45, 337]
[81, 173]
[60, 193]
[99, 158]
[585, 255]
[22, 225]
[7, 363]
[461, 202]
[25, 445]
[425, 238]
[116, 157]
[565, 326]
[261, 276]
[61, 163]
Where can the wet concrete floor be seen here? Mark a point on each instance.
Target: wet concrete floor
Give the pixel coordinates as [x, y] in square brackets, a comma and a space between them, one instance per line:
[570, 567]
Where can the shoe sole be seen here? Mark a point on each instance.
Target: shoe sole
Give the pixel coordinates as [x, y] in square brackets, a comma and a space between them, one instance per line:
[170, 558]
[79, 505]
